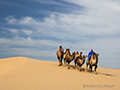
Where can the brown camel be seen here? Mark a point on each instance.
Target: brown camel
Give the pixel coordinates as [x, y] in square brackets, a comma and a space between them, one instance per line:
[69, 57]
[59, 54]
[93, 62]
[79, 55]
[64, 56]
[80, 61]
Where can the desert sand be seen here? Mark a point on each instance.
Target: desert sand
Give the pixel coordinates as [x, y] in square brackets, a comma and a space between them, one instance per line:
[21, 73]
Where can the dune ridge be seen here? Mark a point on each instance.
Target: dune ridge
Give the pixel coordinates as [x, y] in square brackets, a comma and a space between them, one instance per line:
[21, 73]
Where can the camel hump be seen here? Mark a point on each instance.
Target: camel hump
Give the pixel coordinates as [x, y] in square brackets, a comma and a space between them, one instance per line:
[95, 55]
[84, 56]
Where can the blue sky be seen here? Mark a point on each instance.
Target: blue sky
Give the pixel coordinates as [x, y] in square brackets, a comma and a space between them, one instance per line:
[36, 28]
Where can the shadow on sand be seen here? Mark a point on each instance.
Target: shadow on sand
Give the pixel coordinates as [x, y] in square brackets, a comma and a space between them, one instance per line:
[84, 70]
[105, 74]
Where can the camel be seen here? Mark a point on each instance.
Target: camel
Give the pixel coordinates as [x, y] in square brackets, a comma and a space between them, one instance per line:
[59, 54]
[93, 62]
[79, 55]
[80, 61]
[69, 57]
[64, 56]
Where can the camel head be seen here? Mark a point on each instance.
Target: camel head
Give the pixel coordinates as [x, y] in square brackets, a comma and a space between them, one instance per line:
[97, 54]
[84, 56]
[77, 52]
[80, 52]
[74, 53]
[60, 46]
[67, 50]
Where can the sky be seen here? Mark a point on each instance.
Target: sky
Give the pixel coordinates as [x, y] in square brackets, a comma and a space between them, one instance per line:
[36, 28]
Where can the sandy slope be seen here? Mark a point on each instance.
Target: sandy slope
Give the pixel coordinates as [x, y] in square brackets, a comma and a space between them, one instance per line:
[20, 73]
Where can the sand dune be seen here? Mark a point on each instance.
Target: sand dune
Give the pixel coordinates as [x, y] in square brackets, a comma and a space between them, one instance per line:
[21, 73]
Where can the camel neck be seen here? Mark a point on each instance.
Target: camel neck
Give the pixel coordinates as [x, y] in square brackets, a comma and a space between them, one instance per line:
[73, 56]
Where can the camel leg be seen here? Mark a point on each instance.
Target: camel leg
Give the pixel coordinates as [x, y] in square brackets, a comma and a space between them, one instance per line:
[90, 68]
[58, 58]
[68, 66]
[80, 68]
[64, 62]
[95, 68]
[60, 61]
[60, 64]
[75, 65]
[87, 66]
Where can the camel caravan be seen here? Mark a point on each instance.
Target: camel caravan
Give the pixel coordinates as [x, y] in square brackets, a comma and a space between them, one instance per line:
[78, 59]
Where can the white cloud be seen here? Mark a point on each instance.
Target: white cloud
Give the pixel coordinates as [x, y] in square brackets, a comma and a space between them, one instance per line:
[28, 38]
[48, 2]
[10, 19]
[11, 30]
[103, 14]
[28, 32]
[26, 20]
